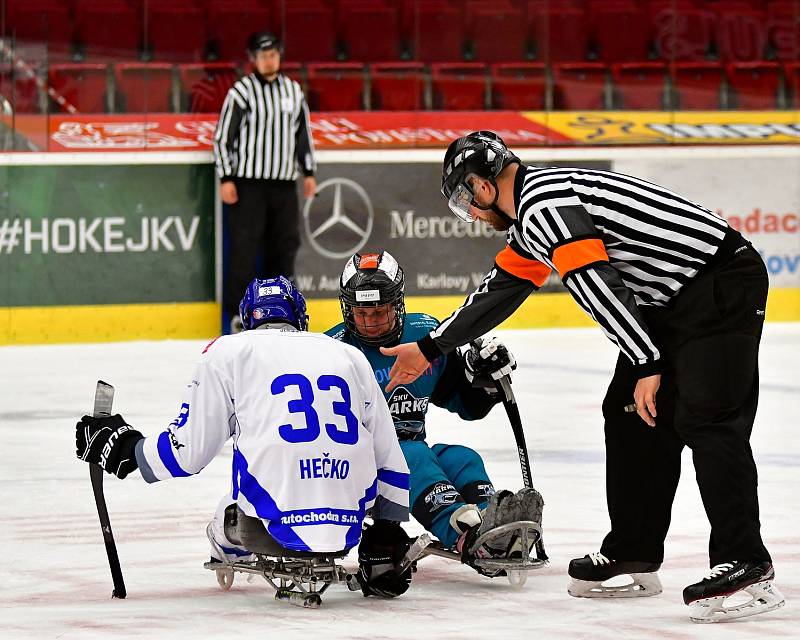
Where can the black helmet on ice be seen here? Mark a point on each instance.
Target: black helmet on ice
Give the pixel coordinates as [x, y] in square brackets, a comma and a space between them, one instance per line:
[373, 280]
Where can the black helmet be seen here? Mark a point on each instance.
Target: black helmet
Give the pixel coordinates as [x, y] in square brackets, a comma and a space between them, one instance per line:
[372, 280]
[263, 41]
[480, 153]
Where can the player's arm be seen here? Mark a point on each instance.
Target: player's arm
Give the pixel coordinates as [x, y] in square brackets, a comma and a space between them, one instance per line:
[197, 435]
[392, 499]
[384, 543]
[189, 443]
[226, 135]
[468, 384]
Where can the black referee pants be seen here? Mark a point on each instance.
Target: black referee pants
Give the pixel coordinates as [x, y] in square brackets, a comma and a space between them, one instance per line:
[707, 401]
[264, 222]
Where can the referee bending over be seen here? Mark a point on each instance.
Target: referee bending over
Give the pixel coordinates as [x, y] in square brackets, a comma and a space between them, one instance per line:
[683, 296]
[262, 136]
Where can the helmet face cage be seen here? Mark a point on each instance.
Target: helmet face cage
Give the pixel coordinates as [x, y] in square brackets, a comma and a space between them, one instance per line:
[373, 280]
[482, 154]
[273, 300]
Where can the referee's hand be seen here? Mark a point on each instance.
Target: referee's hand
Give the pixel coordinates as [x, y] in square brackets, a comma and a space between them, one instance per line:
[227, 190]
[309, 187]
[409, 365]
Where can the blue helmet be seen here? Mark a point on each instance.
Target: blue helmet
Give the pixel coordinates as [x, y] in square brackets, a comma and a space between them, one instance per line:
[273, 300]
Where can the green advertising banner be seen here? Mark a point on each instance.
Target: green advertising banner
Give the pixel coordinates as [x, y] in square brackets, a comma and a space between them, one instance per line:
[106, 234]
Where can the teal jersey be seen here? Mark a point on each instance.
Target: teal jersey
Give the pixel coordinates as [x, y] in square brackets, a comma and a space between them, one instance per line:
[408, 403]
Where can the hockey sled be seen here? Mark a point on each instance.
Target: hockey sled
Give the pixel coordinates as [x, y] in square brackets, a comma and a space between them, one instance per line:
[298, 577]
[525, 536]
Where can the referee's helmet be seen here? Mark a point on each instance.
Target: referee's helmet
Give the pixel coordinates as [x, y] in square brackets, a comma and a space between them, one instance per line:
[480, 153]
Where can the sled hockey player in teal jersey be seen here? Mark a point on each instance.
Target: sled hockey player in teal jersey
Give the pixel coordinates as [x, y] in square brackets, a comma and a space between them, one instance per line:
[451, 494]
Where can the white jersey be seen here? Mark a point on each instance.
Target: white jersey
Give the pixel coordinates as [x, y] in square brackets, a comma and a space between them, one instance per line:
[314, 445]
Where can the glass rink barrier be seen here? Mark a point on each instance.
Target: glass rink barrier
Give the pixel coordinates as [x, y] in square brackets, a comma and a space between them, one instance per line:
[128, 74]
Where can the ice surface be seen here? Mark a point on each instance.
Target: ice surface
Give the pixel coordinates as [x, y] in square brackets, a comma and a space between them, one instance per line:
[56, 584]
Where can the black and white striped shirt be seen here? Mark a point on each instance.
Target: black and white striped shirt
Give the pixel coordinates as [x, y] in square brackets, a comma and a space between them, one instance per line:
[264, 131]
[617, 242]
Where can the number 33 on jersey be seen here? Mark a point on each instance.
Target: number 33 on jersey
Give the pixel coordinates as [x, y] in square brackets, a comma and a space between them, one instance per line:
[314, 443]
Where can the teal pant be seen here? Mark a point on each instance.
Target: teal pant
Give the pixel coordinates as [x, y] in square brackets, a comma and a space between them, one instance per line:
[443, 478]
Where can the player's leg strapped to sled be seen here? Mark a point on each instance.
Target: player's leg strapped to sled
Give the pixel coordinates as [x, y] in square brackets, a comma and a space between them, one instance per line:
[453, 498]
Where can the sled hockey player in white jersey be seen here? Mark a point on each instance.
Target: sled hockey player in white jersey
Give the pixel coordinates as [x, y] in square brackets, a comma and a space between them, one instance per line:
[314, 445]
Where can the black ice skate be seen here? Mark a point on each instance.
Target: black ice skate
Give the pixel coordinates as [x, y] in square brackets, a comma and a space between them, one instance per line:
[590, 572]
[706, 599]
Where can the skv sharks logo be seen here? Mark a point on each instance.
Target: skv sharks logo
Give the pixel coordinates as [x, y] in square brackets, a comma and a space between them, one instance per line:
[442, 494]
[408, 411]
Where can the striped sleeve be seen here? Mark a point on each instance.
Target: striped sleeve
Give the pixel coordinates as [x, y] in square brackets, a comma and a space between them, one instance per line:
[304, 144]
[576, 249]
[512, 279]
[196, 436]
[226, 135]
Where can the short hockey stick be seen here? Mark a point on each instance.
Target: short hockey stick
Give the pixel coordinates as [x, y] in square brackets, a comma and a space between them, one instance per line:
[512, 410]
[103, 398]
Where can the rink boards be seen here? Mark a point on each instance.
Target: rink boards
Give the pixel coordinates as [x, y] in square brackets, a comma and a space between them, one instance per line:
[114, 246]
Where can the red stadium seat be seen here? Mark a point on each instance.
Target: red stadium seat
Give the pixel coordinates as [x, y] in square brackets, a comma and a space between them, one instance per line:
[497, 32]
[791, 71]
[370, 32]
[438, 33]
[204, 85]
[19, 89]
[108, 29]
[753, 85]
[579, 85]
[225, 23]
[43, 23]
[336, 86]
[175, 31]
[143, 87]
[681, 32]
[783, 29]
[397, 86]
[639, 85]
[620, 31]
[309, 31]
[519, 86]
[697, 85]
[294, 70]
[741, 35]
[560, 33]
[458, 86]
[83, 85]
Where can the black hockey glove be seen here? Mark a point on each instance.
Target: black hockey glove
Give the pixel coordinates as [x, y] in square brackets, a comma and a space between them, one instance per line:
[486, 361]
[108, 441]
[382, 546]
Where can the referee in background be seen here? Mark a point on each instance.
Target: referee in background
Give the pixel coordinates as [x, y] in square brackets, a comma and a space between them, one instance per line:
[682, 295]
[262, 138]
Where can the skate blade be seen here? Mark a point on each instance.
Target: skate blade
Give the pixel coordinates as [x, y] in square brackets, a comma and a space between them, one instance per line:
[641, 585]
[764, 597]
[509, 564]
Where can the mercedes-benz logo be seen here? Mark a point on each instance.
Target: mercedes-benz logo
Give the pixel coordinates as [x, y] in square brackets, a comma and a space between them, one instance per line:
[333, 226]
